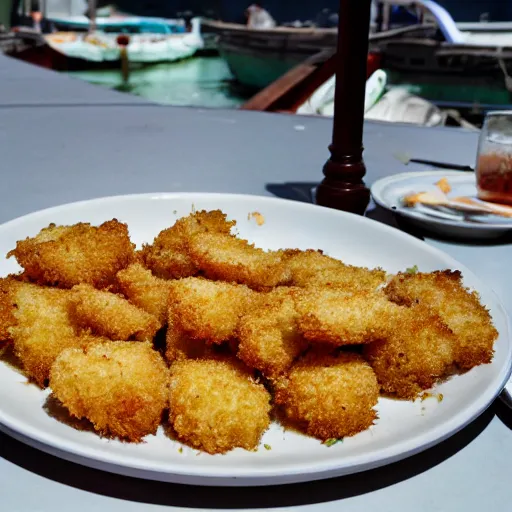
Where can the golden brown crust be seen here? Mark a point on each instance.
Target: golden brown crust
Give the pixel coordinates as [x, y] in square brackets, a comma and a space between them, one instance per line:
[110, 315]
[329, 397]
[179, 346]
[64, 256]
[43, 328]
[415, 356]
[209, 310]
[168, 256]
[216, 406]
[145, 291]
[120, 387]
[235, 260]
[313, 268]
[7, 307]
[269, 337]
[332, 315]
[459, 308]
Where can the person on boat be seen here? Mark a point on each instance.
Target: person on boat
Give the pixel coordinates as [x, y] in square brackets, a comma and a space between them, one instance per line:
[259, 18]
[37, 21]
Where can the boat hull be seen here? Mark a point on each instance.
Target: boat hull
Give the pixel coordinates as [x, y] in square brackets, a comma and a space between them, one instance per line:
[257, 58]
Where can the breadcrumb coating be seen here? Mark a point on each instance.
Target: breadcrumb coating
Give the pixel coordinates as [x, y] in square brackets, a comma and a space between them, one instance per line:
[269, 337]
[235, 260]
[64, 256]
[459, 308]
[179, 345]
[168, 256]
[110, 315]
[216, 406]
[145, 291]
[121, 387]
[331, 315]
[313, 268]
[43, 328]
[419, 353]
[209, 310]
[329, 396]
[7, 301]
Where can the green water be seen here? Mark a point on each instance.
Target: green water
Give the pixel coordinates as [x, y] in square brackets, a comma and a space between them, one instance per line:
[197, 82]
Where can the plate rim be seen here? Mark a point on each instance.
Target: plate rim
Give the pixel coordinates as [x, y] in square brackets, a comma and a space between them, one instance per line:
[251, 476]
[377, 188]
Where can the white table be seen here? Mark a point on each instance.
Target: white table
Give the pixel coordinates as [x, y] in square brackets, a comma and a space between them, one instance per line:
[62, 141]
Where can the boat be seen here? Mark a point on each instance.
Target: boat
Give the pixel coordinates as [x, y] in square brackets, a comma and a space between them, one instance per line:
[77, 51]
[463, 66]
[258, 57]
[119, 24]
[142, 47]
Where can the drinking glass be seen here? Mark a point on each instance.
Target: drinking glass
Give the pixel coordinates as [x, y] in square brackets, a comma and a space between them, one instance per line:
[494, 159]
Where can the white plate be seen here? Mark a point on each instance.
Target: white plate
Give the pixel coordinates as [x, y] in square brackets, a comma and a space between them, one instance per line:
[403, 428]
[389, 192]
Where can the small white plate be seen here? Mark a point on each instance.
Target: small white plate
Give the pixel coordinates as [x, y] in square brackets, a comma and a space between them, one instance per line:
[389, 193]
[403, 428]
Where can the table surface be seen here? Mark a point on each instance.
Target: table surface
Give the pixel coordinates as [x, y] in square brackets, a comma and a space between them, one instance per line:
[62, 140]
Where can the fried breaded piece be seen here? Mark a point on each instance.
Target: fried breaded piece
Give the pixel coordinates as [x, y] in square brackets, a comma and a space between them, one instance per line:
[179, 346]
[168, 256]
[42, 329]
[209, 310]
[269, 338]
[110, 315]
[329, 396]
[145, 290]
[313, 268]
[120, 387]
[68, 255]
[237, 261]
[459, 308]
[418, 354]
[7, 301]
[216, 406]
[331, 315]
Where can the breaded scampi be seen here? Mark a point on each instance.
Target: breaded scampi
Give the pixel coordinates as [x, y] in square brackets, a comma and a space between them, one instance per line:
[269, 338]
[43, 328]
[64, 256]
[235, 260]
[110, 315]
[7, 308]
[313, 268]
[145, 291]
[329, 396]
[209, 310]
[216, 406]
[120, 387]
[179, 345]
[459, 308]
[168, 256]
[338, 317]
[419, 353]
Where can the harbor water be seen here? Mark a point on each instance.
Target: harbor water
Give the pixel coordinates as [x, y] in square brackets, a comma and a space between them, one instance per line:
[198, 82]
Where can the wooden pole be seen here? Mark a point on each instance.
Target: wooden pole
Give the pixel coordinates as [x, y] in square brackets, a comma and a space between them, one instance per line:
[92, 16]
[343, 187]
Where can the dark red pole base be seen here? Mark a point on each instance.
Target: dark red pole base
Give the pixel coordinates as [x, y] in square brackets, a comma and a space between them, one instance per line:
[343, 187]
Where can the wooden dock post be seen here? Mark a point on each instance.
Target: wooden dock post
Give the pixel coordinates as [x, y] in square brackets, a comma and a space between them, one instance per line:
[343, 187]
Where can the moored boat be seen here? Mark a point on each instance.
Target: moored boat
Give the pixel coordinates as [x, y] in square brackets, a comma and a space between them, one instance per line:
[258, 57]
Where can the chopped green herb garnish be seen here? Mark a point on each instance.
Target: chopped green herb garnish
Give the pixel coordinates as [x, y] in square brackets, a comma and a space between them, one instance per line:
[267, 447]
[412, 270]
[332, 442]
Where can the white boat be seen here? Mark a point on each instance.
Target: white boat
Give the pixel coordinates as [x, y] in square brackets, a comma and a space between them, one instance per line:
[142, 48]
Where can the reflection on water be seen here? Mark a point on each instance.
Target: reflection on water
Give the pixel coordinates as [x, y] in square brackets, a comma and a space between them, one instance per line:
[198, 82]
